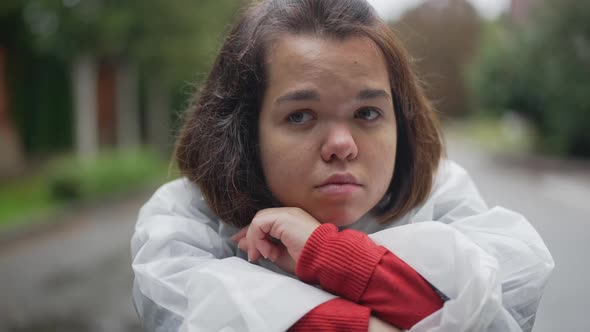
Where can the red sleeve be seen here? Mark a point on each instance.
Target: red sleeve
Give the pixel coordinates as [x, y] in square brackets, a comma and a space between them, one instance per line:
[350, 265]
[334, 316]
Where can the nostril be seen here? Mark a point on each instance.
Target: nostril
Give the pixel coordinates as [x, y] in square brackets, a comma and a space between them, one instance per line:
[340, 144]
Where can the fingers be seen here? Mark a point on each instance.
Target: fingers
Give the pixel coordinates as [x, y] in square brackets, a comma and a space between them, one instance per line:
[243, 244]
[239, 235]
[277, 223]
[256, 245]
[268, 249]
[255, 237]
[269, 223]
[252, 252]
[258, 239]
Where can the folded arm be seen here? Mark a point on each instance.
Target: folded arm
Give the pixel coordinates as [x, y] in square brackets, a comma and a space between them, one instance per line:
[187, 278]
[491, 263]
[350, 265]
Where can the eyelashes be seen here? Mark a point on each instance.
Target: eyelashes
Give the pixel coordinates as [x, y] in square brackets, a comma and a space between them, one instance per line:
[369, 114]
[300, 117]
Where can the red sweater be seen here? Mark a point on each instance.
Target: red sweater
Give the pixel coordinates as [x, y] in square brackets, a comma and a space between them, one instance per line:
[369, 279]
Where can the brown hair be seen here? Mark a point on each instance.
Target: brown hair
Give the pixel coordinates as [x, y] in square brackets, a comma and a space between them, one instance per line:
[218, 145]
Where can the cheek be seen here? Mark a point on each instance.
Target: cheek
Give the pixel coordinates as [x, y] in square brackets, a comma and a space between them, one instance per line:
[267, 144]
[381, 157]
[285, 161]
[285, 178]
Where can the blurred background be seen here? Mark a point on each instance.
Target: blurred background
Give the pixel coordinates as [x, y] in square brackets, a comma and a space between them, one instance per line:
[91, 93]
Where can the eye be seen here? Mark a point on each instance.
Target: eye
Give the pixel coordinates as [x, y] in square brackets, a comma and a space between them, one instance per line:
[299, 117]
[367, 113]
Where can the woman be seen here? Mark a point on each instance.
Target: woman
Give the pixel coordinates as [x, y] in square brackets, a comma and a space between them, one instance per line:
[311, 132]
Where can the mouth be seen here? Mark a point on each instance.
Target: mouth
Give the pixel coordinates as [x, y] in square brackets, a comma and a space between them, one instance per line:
[339, 184]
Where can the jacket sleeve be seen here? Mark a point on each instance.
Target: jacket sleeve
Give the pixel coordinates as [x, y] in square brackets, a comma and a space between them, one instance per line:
[335, 316]
[349, 264]
[490, 263]
[187, 277]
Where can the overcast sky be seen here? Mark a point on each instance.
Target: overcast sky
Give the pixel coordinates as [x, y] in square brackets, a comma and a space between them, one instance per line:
[391, 9]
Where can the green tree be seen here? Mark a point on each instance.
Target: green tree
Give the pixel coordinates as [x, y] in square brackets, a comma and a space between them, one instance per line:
[541, 70]
[169, 36]
[36, 92]
[162, 43]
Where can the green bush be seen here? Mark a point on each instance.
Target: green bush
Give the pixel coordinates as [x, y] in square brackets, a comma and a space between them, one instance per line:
[112, 172]
[541, 70]
[20, 200]
[69, 179]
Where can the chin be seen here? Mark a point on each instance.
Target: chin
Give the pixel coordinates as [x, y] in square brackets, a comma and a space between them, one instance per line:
[341, 218]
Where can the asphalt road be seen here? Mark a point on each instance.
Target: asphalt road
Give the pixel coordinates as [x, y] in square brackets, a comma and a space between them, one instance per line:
[78, 277]
[75, 278]
[555, 198]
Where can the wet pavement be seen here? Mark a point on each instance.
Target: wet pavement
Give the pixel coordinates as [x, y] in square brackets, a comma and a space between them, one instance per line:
[78, 277]
[75, 278]
[555, 198]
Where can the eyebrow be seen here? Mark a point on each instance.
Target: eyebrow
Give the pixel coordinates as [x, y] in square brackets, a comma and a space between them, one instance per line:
[373, 94]
[298, 95]
[310, 94]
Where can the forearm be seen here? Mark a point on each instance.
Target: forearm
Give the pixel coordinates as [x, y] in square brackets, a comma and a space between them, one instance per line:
[226, 293]
[469, 275]
[350, 265]
[334, 316]
[340, 315]
[186, 274]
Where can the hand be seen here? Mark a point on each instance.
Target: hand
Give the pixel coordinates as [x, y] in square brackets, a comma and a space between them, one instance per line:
[291, 226]
[284, 261]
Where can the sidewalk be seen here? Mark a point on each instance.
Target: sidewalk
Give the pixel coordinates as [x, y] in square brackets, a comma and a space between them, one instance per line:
[74, 277]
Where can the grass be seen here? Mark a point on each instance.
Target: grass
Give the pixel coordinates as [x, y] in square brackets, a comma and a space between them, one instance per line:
[507, 135]
[25, 200]
[68, 179]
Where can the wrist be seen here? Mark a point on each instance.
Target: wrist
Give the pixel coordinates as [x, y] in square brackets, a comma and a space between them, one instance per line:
[340, 262]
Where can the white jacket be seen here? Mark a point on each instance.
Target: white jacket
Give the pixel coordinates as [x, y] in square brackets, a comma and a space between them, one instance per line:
[490, 263]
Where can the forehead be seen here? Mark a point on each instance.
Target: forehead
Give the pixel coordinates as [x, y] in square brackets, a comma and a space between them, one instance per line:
[300, 59]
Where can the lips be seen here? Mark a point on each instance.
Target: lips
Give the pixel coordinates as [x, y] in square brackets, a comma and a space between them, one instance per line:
[339, 185]
[340, 179]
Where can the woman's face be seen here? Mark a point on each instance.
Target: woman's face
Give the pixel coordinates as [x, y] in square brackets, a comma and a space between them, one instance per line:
[327, 128]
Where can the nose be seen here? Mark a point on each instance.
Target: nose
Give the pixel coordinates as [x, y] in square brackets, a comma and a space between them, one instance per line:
[339, 144]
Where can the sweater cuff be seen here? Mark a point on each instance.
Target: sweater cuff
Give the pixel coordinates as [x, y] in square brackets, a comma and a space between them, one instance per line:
[335, 315]
[340, 262]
